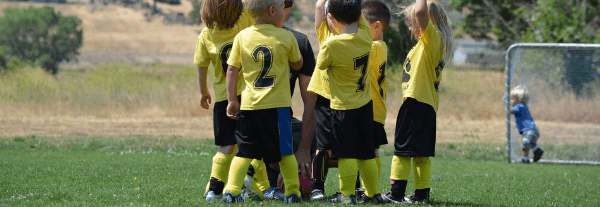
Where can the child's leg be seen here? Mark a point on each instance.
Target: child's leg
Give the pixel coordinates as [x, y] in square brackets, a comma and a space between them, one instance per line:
[220, 168]
[239, 167]
[289, 172]
[348, 170]
[368, 171]
[260, 175]
[399, 175]
[422, 176]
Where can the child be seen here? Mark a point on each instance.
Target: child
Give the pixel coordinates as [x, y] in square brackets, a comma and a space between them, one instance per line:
[518, 100]
[264, 54]
[212, 48]
[378, 16]
[345, 54]
[415, 125]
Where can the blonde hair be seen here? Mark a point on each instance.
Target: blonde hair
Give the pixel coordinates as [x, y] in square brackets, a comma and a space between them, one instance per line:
[520, 94]
[222, 14]
[258, 8]
[437, 14]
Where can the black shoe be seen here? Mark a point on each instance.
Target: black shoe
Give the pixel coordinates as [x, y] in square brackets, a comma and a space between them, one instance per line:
[294, 198]
[389, 198]
[229, 198]
[376, 199]
[537, 154]
[320, 166]
[317, 195]
[359, 193]
[415, 199]
[340, 198]
[525, 160]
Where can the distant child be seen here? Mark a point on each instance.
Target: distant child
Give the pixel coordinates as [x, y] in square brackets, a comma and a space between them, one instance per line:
[264, 53]
[378, 15]
[518, 100]
[415, 126]
[224, 19]
[344, 56]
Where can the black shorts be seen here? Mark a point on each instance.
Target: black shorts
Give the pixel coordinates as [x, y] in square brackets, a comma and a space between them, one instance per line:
[323, 123]
[351, 133]
[265, 134]
[224, 127]
[415, 130]
[379, 135]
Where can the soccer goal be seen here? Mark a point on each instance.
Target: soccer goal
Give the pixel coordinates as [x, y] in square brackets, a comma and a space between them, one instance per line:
[564, 87]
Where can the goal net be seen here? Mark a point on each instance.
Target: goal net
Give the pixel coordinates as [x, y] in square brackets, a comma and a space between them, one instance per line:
[563, 82]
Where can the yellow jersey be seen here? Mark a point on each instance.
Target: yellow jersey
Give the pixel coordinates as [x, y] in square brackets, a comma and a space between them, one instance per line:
[423, 67]
[319, 82]
[378, 83]
[346, 56]
[263, 53]
[212, 49]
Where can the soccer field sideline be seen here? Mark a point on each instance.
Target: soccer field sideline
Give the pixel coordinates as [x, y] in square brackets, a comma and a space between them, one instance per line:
[98, 175]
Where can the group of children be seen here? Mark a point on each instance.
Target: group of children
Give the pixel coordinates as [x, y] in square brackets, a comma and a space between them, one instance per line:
[251, 56]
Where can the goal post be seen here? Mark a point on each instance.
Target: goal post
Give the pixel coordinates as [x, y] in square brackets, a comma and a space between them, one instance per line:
[562, 79]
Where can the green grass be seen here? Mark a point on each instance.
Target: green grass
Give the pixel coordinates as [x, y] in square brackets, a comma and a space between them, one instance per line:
[173, 172]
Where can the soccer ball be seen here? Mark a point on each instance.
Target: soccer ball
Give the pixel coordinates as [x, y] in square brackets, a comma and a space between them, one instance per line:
[304, 184]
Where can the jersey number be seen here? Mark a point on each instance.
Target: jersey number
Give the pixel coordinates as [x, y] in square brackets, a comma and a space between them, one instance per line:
[361, 63]
[224, 55]
[263, 81]
[381, 79]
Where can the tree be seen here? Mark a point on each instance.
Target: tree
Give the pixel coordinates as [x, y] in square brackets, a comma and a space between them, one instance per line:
[548, 21]
[40, 35]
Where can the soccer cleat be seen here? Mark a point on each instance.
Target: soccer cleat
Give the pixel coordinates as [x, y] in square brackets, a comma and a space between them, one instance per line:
[320, 166]
[537, 154]
[229, 198]
[292, 199]
[389, 198]
[525, 160]
[376, 199]
[340, 198]
[360, 193]
[273, 193]
[248, 189]
[317, 195]
[415, 199]
[211, 196]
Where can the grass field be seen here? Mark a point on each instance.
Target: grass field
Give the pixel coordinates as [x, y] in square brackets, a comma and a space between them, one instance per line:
[172, 171]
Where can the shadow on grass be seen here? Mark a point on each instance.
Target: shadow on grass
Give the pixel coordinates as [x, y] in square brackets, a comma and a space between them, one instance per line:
[450, 203]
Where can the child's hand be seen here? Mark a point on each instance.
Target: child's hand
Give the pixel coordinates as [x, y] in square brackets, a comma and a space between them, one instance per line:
[205, 100]
[233, 110]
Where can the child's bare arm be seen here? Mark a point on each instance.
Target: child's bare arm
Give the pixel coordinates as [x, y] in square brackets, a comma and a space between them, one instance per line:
[422, 14]
[319, 13]
[205, 100]
[231, 80]
[297, 65]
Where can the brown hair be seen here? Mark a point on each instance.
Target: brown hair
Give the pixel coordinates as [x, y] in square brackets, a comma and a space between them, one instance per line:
[222, 14]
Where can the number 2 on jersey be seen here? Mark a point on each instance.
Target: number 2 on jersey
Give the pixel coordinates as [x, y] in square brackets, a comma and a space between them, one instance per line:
[263, 81]
[361, 63]
[224, 55]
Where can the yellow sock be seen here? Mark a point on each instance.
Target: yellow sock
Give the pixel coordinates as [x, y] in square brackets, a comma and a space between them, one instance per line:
[260, 175]
[369, 176]
[347, 174]
[220, 166]
[289, 172]
[239, 167]
[400, 168]
[422, 172]
[378, 161]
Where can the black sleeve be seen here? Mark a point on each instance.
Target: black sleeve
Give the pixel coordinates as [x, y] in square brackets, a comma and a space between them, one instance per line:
[308, 56]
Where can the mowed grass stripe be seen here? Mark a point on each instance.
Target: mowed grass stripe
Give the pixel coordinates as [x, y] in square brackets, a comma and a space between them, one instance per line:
[119, 177]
